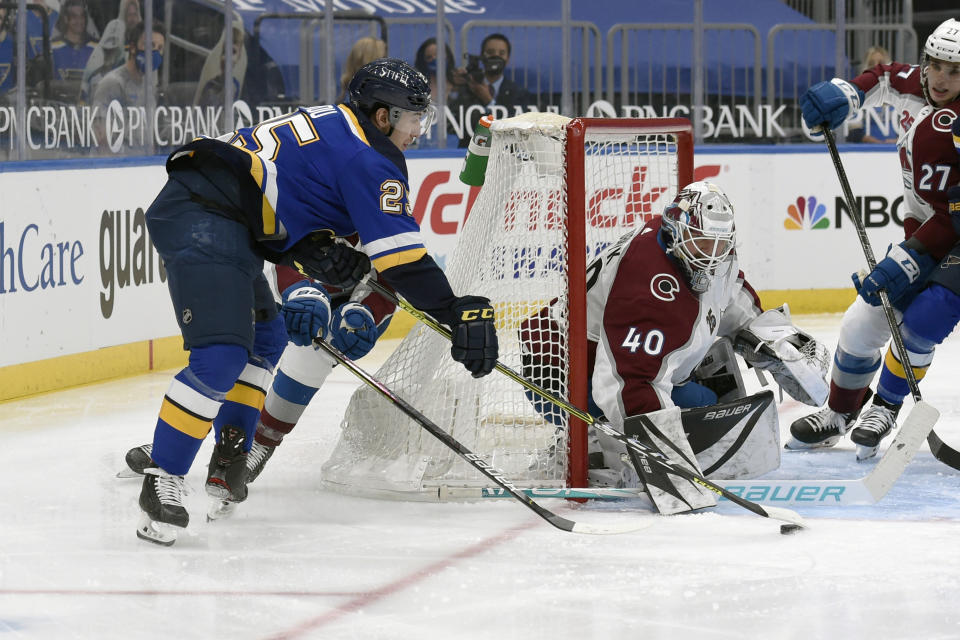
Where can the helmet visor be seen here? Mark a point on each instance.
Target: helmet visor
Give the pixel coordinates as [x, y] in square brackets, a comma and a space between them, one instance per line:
[412, 123]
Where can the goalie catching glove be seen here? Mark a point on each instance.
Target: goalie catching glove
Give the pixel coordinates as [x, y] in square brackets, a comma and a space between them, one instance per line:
[474, 334]
[797, 362]
[325, 259]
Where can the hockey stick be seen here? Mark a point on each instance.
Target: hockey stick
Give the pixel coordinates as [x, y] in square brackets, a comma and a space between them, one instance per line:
[867, 490]
[646, 453]
[476, 461]
[922, 412]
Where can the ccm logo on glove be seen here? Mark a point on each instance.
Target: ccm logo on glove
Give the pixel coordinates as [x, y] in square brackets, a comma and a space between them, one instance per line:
[474, 314]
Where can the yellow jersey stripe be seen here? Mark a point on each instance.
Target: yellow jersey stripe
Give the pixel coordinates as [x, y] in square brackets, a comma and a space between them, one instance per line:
[267, 212]
[897, 369]
[383, 263]
[247, 395]
[183, 421]
[354, 124]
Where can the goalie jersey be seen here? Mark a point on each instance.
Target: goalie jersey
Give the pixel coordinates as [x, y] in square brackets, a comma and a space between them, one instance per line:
[646, 329]
[316, 168]
[928, 158]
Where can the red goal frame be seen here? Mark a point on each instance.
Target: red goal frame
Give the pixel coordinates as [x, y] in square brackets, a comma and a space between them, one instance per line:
[576, 220]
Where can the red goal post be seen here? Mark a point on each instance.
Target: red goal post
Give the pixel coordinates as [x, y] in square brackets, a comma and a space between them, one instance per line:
[577, 135]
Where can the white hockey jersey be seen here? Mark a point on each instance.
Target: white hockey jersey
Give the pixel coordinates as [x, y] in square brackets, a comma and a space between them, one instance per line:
[650, 329]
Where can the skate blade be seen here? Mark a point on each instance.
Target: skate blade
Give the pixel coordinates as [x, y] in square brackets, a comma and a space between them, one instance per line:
[127, 472]
[797, 445]
[220, 510]
[865, 452]
[156, 532]
[217, 489]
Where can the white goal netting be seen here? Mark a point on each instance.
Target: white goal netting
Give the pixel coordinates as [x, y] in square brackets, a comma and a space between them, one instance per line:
[514, 250]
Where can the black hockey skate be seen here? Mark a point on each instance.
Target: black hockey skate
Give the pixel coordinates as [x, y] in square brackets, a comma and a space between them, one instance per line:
[876, 424]
[137, 460]
[823, 428]
[227, 474]
[161, 500]
[257, 459]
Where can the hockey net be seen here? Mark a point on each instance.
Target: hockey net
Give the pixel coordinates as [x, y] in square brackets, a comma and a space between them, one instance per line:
[556, 193]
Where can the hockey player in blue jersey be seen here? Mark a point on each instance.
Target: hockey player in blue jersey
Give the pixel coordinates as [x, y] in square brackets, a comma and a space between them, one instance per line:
[284, 191]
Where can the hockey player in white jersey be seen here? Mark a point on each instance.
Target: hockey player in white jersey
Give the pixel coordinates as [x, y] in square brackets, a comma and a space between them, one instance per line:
[658, 301]
[927, 97]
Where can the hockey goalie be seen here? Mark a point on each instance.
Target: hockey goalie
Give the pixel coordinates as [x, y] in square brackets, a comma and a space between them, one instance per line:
[667, 310]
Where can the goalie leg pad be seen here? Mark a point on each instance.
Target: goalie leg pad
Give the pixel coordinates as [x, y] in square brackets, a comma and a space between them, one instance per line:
[735, 440]
[663, 431]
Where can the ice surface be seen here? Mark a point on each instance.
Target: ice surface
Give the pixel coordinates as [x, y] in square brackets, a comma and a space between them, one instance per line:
[300, 562]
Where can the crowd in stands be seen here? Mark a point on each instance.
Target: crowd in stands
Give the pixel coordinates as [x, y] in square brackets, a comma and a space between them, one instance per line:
[96, 52]
[90, 53]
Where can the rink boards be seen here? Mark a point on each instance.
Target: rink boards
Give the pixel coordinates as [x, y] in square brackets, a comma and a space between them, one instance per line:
[83, 294]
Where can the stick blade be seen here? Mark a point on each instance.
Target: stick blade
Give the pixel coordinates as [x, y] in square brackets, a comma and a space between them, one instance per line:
[786, 515]
[608, 530]
[913, 432]
[942, 451]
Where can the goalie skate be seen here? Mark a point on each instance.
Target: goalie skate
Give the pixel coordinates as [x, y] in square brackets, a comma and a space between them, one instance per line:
[161, 503]
[876, 424]
[822, 429]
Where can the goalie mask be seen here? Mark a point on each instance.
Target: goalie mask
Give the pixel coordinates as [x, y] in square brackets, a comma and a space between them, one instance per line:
[699, 231]
[942, 45]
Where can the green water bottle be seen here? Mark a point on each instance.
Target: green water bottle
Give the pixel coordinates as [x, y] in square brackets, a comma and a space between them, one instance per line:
[478, 152]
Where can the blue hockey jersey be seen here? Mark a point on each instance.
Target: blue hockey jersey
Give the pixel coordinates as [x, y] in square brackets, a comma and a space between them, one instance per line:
[316, 168]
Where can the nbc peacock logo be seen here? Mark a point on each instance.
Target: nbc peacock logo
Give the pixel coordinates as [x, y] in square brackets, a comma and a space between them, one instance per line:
[806, 213]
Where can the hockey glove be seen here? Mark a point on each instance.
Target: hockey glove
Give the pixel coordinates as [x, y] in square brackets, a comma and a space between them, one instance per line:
[797, 362]
[321, 257]
[831, 102]
[474, 335]
[353, 330]
[306, 313]
[895, 273]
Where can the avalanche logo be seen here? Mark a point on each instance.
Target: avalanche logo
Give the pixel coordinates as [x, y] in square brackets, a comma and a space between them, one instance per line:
[806, 213]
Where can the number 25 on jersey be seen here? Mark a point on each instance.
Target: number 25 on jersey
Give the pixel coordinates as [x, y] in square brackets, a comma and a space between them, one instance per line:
[394, 198]
[651, 343]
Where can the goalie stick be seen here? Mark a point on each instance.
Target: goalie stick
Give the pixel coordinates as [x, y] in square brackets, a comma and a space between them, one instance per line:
[651, 456]
[921, 412]
[475, 461]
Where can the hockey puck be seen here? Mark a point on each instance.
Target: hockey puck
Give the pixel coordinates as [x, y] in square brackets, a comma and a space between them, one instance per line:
[787, 529]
